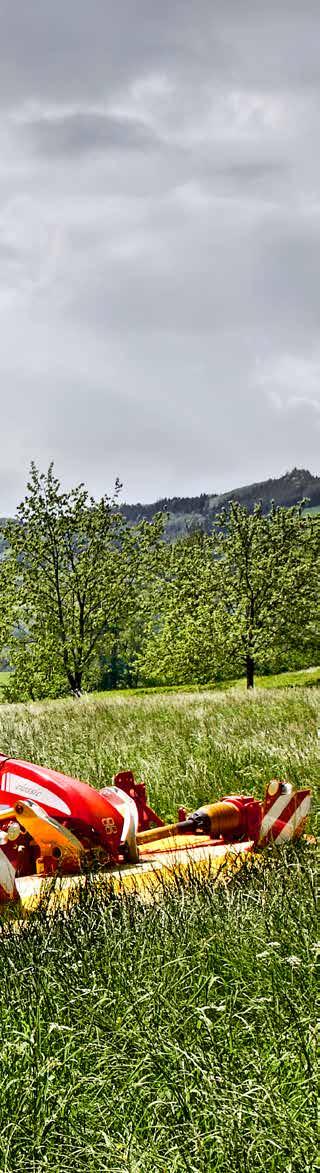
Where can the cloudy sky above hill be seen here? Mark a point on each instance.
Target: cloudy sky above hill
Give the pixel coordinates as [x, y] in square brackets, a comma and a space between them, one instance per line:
[159, 242]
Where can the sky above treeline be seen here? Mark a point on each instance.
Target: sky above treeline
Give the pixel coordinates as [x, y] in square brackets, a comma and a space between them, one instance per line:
[159, 242]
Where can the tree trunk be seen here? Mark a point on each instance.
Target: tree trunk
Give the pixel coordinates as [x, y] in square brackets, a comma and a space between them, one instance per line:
[75, 681]
[114, 666]
[250, 671]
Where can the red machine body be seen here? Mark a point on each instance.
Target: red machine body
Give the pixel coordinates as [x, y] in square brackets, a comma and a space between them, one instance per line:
[76, 804]
[249, 811]
[137, 791]
[50, 822]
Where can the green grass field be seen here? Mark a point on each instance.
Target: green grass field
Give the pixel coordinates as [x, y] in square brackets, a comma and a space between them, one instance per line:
[303, 678]
[180, 1035]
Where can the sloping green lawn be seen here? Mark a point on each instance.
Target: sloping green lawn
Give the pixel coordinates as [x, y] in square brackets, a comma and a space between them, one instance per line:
[304, 678]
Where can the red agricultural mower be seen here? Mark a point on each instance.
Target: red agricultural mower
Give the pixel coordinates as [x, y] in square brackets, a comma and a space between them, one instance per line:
[51, 824]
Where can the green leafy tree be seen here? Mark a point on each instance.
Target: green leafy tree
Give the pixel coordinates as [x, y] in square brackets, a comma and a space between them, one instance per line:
[75, 564]
[38, 672]
[245, 598]
[122, 660]
[268, 585]
[181, 636]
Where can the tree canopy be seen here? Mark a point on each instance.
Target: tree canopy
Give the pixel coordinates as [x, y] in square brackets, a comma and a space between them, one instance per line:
[242, 598]
[87, 597]
[268, 584]
[74, 564]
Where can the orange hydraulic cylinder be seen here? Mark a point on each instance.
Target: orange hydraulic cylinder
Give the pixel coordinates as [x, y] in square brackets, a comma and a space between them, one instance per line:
[217, 819]
[225, 819]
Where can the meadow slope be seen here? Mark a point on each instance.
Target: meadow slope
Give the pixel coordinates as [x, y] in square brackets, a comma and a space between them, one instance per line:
[179, 1035]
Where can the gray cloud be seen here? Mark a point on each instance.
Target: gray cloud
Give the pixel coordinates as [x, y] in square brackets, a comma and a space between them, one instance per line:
[84, 132]
[159, 242]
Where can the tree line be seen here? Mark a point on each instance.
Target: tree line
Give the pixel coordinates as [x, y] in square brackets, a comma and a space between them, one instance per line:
[88, 600]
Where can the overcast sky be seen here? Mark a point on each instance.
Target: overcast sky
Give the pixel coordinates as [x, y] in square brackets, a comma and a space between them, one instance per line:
[159, 242]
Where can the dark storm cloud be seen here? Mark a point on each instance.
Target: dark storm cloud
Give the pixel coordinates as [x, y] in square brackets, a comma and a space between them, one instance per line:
[83, 132]
[159, 241]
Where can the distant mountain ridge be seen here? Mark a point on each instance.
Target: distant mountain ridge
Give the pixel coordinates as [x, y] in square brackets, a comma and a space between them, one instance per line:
[199, 512]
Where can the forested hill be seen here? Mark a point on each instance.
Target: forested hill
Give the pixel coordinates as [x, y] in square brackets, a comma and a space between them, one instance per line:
[198, 512]
[195, 512]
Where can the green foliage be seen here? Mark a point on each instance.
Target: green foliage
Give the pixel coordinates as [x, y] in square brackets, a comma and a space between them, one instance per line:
[38, 672]
[179, 1035]
[268, 569]
[180, 644]
[244, 598]
[90, 601]
[75, 566]
[64, 550]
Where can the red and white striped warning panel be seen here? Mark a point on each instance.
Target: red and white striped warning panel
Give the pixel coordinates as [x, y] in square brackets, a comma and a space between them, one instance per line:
[284, 813]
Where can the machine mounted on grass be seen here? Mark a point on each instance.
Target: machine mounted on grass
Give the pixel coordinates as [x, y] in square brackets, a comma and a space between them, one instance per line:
[54, 825]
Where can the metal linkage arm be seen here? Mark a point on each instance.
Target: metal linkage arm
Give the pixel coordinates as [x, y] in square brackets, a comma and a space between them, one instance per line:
[55, 841]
